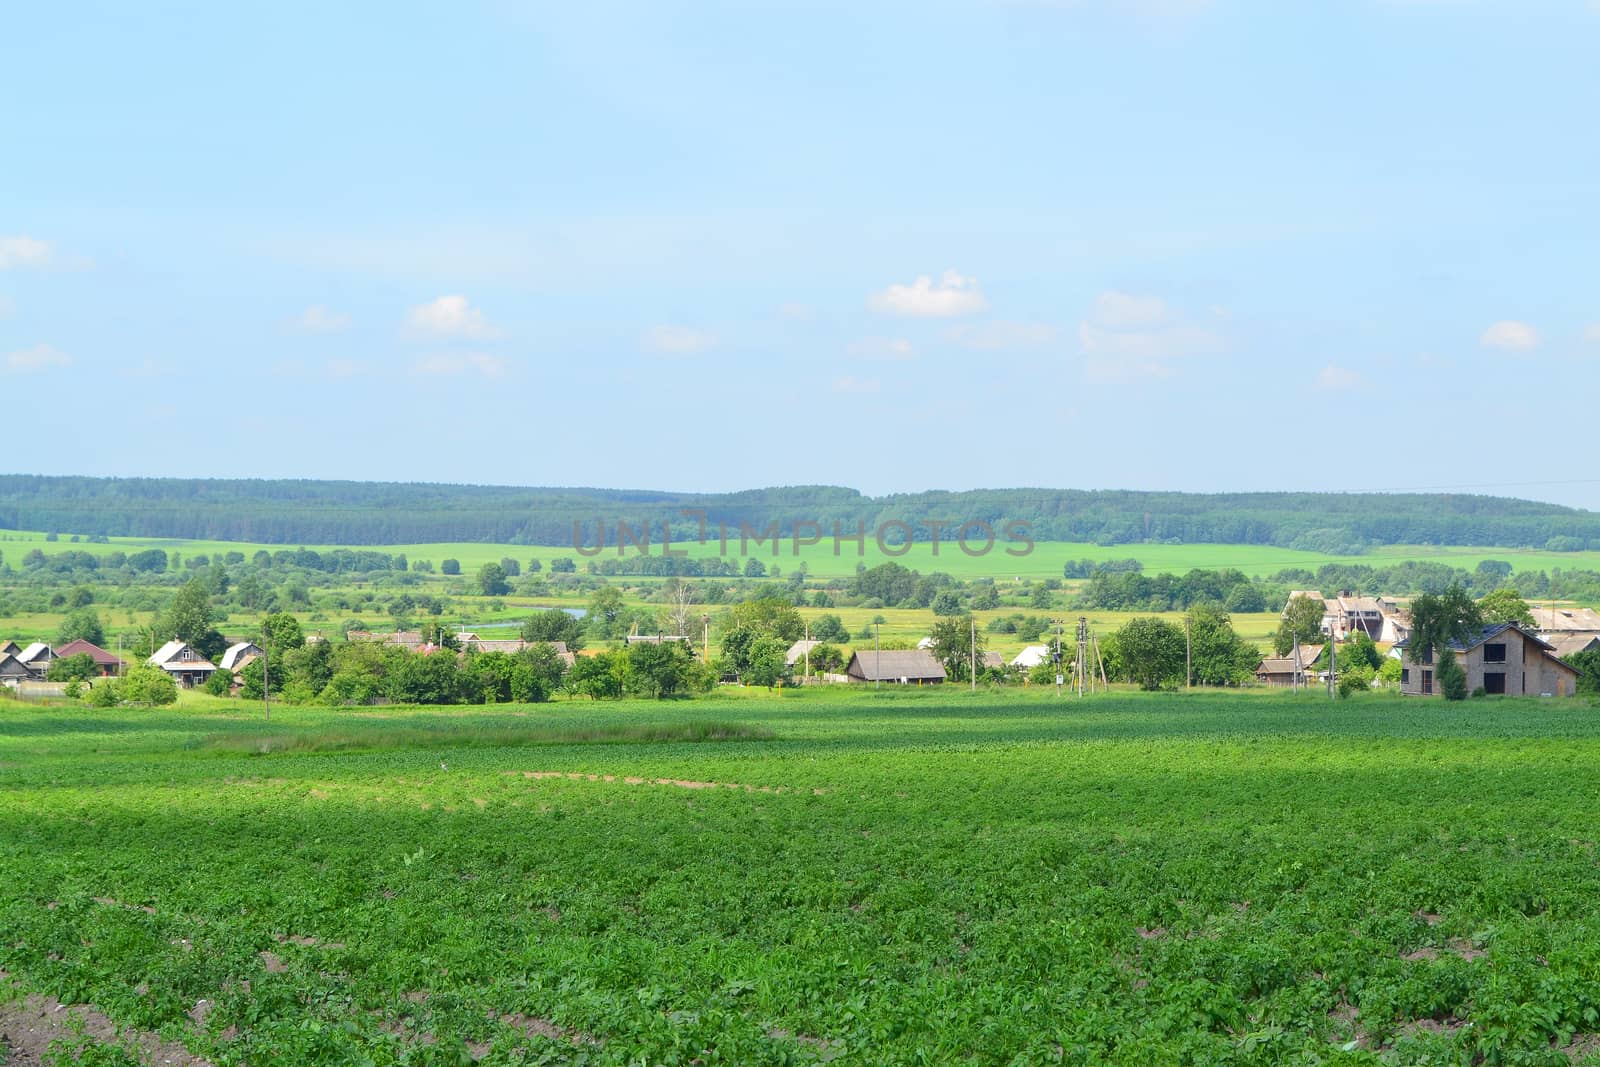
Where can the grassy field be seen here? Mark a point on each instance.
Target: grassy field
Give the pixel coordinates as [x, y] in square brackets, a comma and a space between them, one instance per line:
[1044, 561]
[895, 877]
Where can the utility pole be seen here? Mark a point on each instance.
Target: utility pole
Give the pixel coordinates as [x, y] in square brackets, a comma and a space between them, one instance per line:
[1294, 673]
[1333, 666]
[972, 647]
[1081, 664]
[1060, 678]
[808, 650]
[877, 658]
[705, 641]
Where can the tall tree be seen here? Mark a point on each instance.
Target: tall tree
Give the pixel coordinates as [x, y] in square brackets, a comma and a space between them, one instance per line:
[1220, 656]
[1440, 618]
[190, 618]
[492, 580]
[1150, 652]
[1302, 621]
[955, 645]
[605, 612]
[83, 625]
[1506, 605]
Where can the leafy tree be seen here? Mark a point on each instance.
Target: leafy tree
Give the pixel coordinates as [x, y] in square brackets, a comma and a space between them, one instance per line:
[605, 612]
[1505, 605]
[564, 565]
[77, 667]
[1437, 619]
[146, 685]
[282, 633]
[82, 624]
[1588, 666]
[953, 647]
[492, 580]
[540, 672]
[1219, 656]
[553, 625]
[770, 615]
[1449, 677]
[512, 568]
[80, 597]
[309, 667]
[1151, 652]
[660, 668]
[829, 627]
[766, 666]
[889, 582]
[947, 602]
[534, 566]
[450, 566]
[1302, 621]
[1358, 652]
[419, 679]
[190, 617]
[986, 598]
[220, 684]
[599, 676]
[827, 659]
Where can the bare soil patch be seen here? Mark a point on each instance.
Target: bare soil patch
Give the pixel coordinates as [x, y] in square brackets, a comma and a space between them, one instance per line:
[681, 783]
[30, 1024]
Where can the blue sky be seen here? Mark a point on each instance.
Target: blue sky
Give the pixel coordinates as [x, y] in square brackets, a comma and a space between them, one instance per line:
[1163, 244]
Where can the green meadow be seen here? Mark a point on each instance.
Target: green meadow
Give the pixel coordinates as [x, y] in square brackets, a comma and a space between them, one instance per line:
[915, 877]
[1044, 560]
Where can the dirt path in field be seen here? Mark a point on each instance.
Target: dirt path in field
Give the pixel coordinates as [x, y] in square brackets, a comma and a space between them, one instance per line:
[680, 783]
[28, 1026]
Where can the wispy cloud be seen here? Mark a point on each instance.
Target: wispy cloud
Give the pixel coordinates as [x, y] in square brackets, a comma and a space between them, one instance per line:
[458, 363]
[1338, 379]
[676, 340]
[318, 319]
[1130, 338]
[1510, 335]
[39, 357]
[925, 298]
[1000, 336]
[895, 348]
[449, 316]
[850, 384]
[24, 251]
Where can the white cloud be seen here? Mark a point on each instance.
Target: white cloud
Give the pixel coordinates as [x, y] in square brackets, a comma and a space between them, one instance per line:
[925, 298]
[456, 363]
[796, 312]
[39, 357]
[1336, 379]
[1124, 311]
[1510, 335]
[853, 385]
[1001, 336]
[880, 348]
[449, 316]
[318, 319]
[345, 368]
[23, 251]
[676, 340]
[1131, 338]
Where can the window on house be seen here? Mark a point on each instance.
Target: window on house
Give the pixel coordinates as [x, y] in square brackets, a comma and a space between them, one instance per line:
[1405, 675]
[1427, 682]
[1427, 657]
[1495, 653]
[1494, 682]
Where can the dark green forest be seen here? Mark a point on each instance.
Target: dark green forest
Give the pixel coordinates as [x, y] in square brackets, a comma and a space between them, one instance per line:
[384, 513]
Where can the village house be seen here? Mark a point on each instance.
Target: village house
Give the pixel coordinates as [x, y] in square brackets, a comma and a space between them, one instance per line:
[915, 667]
[186, 666]
[1551, 620]
[1288, 672]
[240, 656]
[1031, 657]
[108, 665]
[1499, 659]
[37, 657]
[12, 672]
[1570, 644]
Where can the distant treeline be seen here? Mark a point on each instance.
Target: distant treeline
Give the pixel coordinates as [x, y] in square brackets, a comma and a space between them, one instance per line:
[381, 513]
